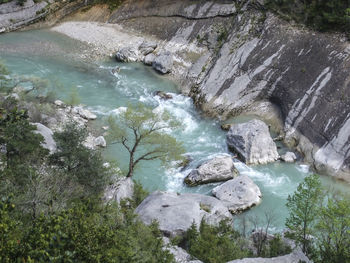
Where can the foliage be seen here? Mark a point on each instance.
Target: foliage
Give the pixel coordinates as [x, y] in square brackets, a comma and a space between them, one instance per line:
[333, 235]
[139, 194]
[8, 234]
[276, 247]
[142, 133]
[112, 4]
[84, 233]
[319, 14]
[82, 167]
[213, 244]
[23, 146]
[303, 210]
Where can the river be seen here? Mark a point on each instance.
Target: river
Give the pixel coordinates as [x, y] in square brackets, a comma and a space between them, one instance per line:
[54, 57]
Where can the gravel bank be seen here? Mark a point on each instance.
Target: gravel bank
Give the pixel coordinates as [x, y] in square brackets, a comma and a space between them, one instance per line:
[104, 39]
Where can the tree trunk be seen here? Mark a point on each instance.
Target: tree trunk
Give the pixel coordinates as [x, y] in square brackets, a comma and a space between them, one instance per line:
[131, 166]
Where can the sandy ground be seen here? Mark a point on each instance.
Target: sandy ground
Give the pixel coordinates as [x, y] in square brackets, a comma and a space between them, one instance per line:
[104, 39]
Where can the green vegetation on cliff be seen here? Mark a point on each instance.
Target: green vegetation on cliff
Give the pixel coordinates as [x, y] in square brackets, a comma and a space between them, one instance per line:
[323, 15]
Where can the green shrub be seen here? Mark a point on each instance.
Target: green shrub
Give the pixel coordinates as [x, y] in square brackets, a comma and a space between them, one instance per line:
[215, 244]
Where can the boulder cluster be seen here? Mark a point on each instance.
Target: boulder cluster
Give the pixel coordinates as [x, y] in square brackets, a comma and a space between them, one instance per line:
[162, 61]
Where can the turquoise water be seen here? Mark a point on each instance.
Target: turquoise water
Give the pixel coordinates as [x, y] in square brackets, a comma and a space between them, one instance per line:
[56, 58]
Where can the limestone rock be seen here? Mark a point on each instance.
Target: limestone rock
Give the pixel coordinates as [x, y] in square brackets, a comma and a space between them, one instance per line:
[84, 113]
[149, 59]
[49, 143]
[252, 142]
[180, 255]
[127, 54]
[122, 189]
[59, 103]
[163, 63]
[289, 157]
[238, 194]
[147, 47]
[176, 212]
[100, 141]
[294, 257]
[220, 168]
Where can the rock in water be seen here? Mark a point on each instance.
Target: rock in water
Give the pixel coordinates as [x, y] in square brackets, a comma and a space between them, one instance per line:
[163, 95]
[123, 189]
[238, 194]
[220, 168]
[176, 212]
[289, 157]
[252, 142]
[100, 141]
[147, 48]
[163, 63]
[49, 142]
[149, 59]
[126, 54]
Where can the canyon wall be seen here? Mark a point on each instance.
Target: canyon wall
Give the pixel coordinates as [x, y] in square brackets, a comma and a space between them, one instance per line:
[232, 56]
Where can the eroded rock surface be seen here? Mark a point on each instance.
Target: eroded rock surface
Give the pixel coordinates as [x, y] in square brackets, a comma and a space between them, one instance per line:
[122, 189]
[163, 63]
[238, 194]
[229, 59]
[220, 168]
[49, 143]
[176, 212]
[252, 142]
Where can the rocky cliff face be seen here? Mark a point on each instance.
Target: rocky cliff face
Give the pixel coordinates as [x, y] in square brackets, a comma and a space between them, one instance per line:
[231, 57]
[234, 57]
[14, 16]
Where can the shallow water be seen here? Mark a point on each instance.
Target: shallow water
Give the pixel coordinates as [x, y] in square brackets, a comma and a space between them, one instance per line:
[54, 57]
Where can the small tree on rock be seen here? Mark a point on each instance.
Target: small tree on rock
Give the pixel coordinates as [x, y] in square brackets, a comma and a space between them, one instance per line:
[142, 133]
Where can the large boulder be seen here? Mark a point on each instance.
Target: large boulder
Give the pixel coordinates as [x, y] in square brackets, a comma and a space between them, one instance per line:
[163, 63]
[294, 257]
[238, 194]
[49, 143]
[252, 142]
[127, 54]
[147, 47]
[176, 212]
[149, 59]
[122, 189]
[220, 168]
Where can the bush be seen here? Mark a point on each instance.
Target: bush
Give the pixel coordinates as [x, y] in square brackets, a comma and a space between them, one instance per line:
[84, 233]
[213, 244]
[320, 15]
[81, 166]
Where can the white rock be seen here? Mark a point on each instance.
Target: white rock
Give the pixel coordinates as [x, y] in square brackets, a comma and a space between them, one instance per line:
[122, 189]
[49, 142]
[100, 141]
[289, 157]
[84, 113]
[220, 168]
[59, 103]
[252, 142]
[238, 194]
[176, 212]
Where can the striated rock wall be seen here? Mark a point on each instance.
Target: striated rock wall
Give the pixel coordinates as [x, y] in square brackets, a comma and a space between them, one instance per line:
[232, 55]
[14, 16]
